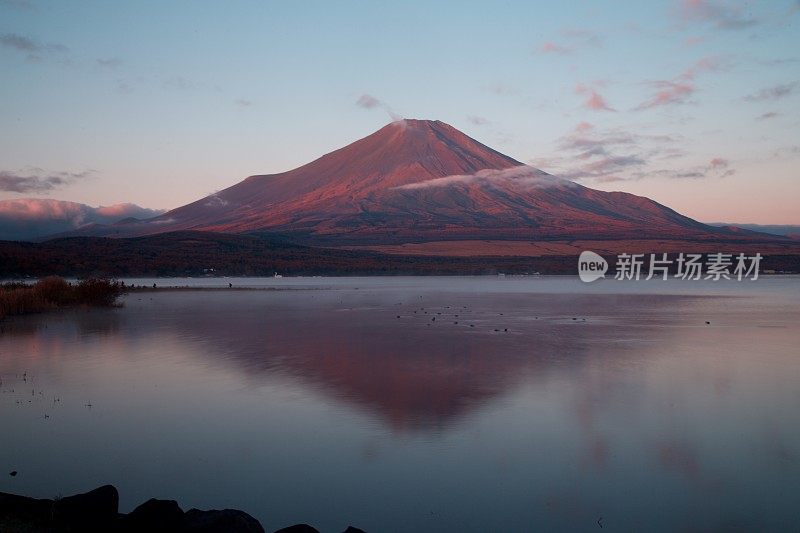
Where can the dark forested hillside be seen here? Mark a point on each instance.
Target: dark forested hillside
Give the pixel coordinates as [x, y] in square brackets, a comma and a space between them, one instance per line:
[197, 253]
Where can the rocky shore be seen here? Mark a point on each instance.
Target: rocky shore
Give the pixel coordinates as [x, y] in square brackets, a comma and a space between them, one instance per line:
[97, 511]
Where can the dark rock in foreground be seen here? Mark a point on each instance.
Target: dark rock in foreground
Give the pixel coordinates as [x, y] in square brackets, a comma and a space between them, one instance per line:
[298, 528]
[154, 515]
[92, 511]
[98, 511]
[196, 521]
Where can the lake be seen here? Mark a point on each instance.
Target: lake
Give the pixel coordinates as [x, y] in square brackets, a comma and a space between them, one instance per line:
[420, 404]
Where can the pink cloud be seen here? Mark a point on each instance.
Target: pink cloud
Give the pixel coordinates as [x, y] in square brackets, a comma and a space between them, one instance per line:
[28, 218]
[594, 100]
[550, 47]
[693, 41]
[704, 64]
[681, 88]
[576, 38]
[721, 15]
[669, 92]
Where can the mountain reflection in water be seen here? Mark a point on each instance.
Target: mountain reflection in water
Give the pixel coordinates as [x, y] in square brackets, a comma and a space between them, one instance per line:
[323, 406]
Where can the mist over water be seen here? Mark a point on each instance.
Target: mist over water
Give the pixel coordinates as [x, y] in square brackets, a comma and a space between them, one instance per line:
[545, 404]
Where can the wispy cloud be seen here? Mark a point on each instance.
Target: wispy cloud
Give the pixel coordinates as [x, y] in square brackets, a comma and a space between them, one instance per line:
[668, 92]
[522, 175]
[33, 49]
[715, 168]
[477, 120]
[178, 83]
[367, 101]
[719, 163]
[37, 180]
[615, 155]
[19, 42]
[693, 41]
[702, 65]
[779, 62]
[109, 62]
[776, 92]
[589, 153]
[721, 15]
[679, 89]
[787, 152]
[215, 200]
[22, 5]
[571, 40]
[768, 115]
[594, 100]
[501, 89]
[549, 47]
[583, 36]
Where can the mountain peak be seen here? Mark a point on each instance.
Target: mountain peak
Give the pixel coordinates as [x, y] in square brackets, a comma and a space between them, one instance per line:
[418, 180]
[436, 149]
[418, 123]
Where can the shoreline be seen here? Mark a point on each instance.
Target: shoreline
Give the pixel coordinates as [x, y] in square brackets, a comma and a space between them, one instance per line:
[98, 511]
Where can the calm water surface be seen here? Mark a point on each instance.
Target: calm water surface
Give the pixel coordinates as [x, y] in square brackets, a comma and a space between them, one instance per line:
[320, 405]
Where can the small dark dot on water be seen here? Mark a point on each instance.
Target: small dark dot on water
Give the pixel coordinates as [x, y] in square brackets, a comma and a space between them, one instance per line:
[398, 316]
[455, 322]
[472, 325]
[13, 473]
[505, 329]
[707, 322]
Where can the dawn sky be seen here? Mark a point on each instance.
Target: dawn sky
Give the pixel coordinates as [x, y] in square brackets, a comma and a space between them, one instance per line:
[693, 103]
